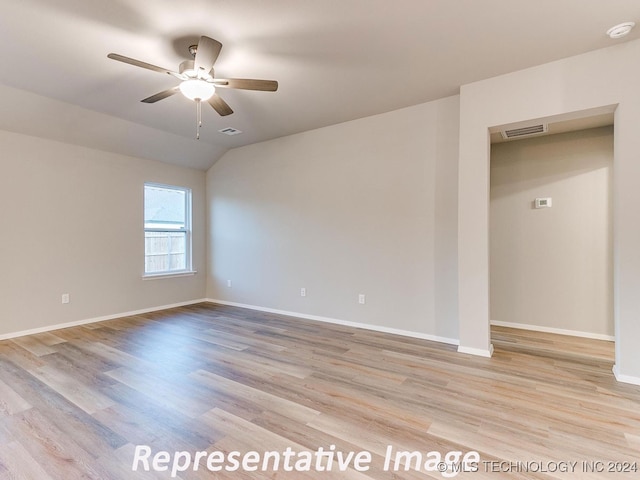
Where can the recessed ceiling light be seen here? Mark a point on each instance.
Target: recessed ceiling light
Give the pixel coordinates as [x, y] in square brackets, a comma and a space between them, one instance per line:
[620, 30]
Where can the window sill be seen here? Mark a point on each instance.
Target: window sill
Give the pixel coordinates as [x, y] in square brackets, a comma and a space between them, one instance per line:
[158, 276]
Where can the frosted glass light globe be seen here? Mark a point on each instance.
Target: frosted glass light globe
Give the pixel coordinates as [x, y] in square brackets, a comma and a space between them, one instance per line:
[197, 89]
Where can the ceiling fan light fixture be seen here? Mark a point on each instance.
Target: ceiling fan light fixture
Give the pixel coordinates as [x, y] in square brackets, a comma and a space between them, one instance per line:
[195, 89]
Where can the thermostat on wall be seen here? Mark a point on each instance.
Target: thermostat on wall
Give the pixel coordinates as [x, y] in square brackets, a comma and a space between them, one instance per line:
[543, 202]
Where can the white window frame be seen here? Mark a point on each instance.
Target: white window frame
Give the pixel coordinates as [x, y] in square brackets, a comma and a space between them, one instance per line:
[188, 270]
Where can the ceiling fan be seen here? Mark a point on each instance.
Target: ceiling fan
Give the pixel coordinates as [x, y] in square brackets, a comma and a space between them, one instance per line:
[197, 79]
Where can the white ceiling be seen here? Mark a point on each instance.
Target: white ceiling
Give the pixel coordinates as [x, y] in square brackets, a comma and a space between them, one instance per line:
[335, 60]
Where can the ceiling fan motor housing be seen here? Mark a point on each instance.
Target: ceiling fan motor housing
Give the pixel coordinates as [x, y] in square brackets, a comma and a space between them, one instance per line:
[188, 68]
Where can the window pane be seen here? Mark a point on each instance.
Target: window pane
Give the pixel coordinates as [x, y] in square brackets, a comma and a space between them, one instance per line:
[164, 207]
[165, 251]
[167, 229]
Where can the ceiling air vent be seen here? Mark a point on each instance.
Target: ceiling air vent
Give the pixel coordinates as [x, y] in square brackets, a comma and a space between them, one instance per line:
[230, 131]
[524, 131]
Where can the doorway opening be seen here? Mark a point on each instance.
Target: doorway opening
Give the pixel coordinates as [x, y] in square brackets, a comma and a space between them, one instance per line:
[551, 237]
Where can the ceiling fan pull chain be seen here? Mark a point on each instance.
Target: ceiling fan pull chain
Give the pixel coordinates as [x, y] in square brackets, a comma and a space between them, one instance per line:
[198, 117]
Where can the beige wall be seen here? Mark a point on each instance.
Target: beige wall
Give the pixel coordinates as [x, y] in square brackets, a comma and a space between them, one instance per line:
[367, 206]
[553, 267]
[71, 222]
[575, 84]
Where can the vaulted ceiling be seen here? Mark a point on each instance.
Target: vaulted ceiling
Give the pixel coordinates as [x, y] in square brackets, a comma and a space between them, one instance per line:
[335, 60]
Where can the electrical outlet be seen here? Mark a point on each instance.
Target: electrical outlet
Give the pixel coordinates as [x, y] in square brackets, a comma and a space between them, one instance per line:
[229, 283]
[66, 298]
[303, 292]
[361, 299]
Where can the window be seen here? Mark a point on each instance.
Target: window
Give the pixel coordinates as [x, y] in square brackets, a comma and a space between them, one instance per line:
[167, 229]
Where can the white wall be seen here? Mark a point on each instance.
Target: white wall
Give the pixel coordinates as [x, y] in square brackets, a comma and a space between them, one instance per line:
[71, 221]
[553, 267]
[601, 78]
[367, 206]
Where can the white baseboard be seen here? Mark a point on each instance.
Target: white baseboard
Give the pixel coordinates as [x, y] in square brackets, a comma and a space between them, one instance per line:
[559, 331]
[477, 351]
[346, 323]
[625, 378]
[87, 321]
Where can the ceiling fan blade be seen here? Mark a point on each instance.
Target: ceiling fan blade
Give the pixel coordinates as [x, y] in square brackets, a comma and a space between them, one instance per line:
[148, 66]
[246, 84]
[220, 106]
[161, 95]
[206, 54]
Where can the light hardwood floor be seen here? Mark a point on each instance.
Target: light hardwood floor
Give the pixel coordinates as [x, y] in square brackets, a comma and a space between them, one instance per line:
[74, 403]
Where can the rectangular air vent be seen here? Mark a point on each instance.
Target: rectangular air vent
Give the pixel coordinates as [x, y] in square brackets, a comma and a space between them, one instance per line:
[230, 131]
[524, 131]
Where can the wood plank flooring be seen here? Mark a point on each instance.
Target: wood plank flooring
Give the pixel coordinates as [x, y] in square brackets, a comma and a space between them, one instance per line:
[75, 403]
